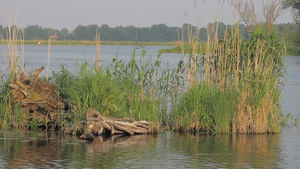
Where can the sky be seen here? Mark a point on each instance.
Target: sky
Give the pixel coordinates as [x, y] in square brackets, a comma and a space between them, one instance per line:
[69, 14]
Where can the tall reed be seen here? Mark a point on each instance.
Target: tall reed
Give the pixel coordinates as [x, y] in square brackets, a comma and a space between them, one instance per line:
[11, 115]
[97, 44]
[48, 54]
[249, 68]
[13, 34]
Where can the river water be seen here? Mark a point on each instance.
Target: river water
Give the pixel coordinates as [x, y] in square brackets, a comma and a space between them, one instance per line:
[27, 149]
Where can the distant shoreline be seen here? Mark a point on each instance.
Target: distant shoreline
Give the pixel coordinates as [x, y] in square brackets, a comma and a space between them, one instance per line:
[291, 48]
[88, 43]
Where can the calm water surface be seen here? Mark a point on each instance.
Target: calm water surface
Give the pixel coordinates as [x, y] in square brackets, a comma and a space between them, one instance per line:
[36, 56]
[26, 149]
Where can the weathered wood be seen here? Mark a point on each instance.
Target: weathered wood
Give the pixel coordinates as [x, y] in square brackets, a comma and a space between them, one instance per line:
[39, 98]
[122, 128]
[105, 125]
[96, 124]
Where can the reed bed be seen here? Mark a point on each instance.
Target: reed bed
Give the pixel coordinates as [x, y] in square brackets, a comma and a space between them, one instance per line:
[239, 89]
[226, 85]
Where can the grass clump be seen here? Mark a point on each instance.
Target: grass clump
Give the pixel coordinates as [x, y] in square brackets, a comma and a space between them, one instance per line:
[205, 109]
[86, 89]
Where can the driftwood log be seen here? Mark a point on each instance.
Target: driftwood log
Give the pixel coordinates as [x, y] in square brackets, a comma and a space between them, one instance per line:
[96, 125]
[36, 95]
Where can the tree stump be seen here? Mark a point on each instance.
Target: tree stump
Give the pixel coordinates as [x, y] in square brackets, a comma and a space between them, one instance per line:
[36, 95]
[96, 125]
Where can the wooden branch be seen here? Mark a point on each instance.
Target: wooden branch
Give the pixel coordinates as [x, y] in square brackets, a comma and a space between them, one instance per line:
[36, 74]
[96, 124]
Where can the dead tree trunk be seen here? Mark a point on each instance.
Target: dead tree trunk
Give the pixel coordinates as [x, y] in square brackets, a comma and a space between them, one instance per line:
[96, 124]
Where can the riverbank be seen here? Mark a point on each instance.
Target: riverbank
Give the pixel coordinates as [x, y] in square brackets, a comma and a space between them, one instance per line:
[87, 43]
[291, 49]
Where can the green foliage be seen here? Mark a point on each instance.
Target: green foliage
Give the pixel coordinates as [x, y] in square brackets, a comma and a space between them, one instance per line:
[239, 90]
[89, 89]
[261, 67]
[122, 90]
[206, 109]
[295, 5]
[11, 115]
[186, 48]
[232, 86]
[35, 32]
[293, 49]
[290, 32]
[155, 33]
[34, 123]
[143, 91]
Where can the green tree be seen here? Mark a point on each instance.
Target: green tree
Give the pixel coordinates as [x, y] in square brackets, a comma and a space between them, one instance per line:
[64, 34]
[119, 33]
[105, 32]
[1, 32]
[33, 32]
[131, 33]
[81, 33]
[295, 5]
[48, 32]
[92, 29]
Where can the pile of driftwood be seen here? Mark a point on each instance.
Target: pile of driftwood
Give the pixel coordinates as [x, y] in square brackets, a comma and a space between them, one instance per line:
[40, 99]
[96, 124]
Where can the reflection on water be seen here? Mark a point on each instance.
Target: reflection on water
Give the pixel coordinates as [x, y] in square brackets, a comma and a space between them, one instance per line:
[229, 151]
[39, 149]
[168, 150]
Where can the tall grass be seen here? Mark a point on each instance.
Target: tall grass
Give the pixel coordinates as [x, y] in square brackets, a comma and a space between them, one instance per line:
[11, 115]
[122, 90]
[204, 108]
[13, 52]
[242, 74]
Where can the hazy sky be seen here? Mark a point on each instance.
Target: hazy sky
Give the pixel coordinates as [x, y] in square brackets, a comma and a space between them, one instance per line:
[60, 14]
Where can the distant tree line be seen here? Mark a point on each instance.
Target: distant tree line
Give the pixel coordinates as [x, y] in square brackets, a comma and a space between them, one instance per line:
[155, 33]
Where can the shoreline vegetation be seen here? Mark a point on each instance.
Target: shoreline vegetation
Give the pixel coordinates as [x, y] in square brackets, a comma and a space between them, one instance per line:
[230, 83]
[291, 48]
[225, 85]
